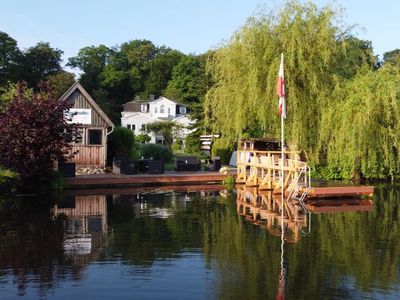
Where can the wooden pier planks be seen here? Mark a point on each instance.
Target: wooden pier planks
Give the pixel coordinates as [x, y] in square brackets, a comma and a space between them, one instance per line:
[159, 179]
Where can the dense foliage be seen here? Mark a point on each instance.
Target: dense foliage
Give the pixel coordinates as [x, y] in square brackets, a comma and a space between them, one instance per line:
[33, 133]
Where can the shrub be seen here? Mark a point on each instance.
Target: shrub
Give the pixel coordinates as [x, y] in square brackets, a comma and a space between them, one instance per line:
[121, 143]
[33, 133]
[156, 151]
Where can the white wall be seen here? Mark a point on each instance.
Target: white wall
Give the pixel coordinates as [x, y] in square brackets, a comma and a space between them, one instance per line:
[168, 105]
[137, 119]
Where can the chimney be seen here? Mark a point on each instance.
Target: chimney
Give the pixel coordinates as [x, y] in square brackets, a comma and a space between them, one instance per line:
[137, 98]
[152, 97]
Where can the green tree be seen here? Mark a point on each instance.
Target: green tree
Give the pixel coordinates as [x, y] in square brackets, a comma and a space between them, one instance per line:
[9, 57]
[61, 82]
[9, 92]
[188, 85]
[158, 72]
[91, 61]
[243, 102]
[169, 130]
[392, 57]
[39, 62]
[360, 132]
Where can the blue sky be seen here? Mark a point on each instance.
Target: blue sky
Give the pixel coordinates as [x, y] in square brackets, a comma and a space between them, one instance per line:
[186, 25]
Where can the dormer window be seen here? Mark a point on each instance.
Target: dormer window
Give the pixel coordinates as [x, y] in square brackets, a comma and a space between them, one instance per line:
[182, 109]
[143, 108]
[162, 109]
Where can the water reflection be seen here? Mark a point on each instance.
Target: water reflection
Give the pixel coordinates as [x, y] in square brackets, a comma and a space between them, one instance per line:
[204, 245]
[264, 209]
[85, 223]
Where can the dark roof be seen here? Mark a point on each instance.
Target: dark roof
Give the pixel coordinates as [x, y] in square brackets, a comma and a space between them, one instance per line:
[134, 105]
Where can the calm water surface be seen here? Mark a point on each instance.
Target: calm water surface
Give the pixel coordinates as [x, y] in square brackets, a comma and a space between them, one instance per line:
[199, 245]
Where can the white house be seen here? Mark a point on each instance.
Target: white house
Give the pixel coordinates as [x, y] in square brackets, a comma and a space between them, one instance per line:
[137, 114]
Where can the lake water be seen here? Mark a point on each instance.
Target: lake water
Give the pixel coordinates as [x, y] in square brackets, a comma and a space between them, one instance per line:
[208, 244]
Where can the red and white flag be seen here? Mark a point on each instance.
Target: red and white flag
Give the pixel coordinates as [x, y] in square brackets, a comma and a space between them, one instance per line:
[281, 90]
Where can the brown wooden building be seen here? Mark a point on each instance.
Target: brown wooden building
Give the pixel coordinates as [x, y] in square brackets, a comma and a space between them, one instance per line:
[94, 126]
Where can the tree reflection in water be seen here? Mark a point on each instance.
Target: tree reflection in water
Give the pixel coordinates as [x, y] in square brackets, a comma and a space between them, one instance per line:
[353, 253]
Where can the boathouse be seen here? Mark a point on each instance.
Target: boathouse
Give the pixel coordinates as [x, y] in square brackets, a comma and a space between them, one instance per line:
[93, 128]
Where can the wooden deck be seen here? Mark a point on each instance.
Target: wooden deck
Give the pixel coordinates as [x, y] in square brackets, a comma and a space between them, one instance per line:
[340, 191]
[113, 180]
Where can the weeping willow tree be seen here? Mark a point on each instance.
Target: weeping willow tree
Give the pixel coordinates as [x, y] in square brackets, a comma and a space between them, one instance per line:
[360, 132]
[243, 101]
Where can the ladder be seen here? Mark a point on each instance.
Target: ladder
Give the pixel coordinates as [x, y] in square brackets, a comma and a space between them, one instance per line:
[299, 190]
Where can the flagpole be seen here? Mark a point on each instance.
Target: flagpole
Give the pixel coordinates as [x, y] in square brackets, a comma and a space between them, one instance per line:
[282, 158]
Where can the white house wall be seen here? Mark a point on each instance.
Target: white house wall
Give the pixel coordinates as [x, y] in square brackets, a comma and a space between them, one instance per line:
[169, 108]
[138, 120]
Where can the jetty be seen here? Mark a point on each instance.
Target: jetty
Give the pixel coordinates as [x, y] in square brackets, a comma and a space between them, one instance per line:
[260, 164]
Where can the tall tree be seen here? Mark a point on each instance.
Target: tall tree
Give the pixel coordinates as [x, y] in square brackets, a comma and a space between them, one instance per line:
[91, 61]
[9, 57]
[245, 70]
[360, 132]
[39, 62]
[189, 84]
[61, 82]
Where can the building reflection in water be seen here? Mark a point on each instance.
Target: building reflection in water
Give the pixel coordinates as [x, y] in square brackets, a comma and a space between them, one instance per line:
[263, 209]
[85, 223]
[161, 204]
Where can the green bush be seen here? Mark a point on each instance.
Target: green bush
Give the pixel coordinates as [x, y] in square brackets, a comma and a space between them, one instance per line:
[157, 151]
[121, 143]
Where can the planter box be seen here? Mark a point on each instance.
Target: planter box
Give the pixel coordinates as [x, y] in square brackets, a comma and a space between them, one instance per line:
[67, 169]
[123, 165]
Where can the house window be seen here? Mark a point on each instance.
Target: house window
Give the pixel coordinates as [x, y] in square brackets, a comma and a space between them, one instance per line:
[129, 126]
[143, 127]
[182, 109]
[155, 109]
[133, 127]
[95, 136]
[162, 109]
[143, 108]
[75, 136]
[169, 110]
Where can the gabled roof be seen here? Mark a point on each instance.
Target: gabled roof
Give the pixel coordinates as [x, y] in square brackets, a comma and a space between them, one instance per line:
[161, 98]
[78, 86]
